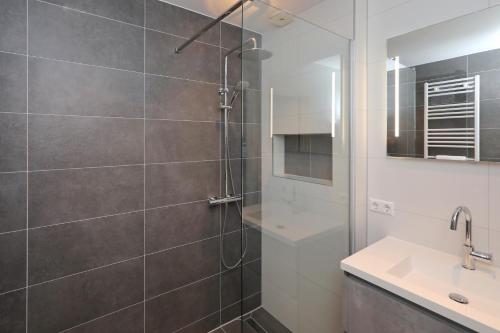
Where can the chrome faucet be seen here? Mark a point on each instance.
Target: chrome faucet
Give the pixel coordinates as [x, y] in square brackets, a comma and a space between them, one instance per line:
[470, 255]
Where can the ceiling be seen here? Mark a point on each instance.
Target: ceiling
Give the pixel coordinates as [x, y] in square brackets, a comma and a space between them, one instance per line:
[256, 13]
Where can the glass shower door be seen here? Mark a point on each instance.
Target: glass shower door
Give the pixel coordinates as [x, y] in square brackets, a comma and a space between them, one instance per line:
[295, 173]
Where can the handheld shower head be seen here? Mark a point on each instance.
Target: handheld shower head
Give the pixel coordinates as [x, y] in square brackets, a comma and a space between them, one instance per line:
[240, 86]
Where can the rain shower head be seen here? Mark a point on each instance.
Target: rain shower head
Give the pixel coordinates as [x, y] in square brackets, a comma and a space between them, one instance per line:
[255, 54]
[252, 53]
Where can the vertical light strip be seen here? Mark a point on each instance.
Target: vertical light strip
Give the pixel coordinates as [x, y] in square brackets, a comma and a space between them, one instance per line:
[334, 102]
[271, 111]
[396, 96]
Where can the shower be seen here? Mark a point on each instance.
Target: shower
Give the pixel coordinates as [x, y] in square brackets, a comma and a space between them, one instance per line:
[250, 51]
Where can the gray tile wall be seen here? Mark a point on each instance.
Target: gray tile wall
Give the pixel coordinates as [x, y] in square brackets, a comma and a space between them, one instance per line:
[309, 155]
[411, 140]
[110, 146]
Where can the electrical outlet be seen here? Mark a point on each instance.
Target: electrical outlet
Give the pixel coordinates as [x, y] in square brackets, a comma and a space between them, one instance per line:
[382, 207]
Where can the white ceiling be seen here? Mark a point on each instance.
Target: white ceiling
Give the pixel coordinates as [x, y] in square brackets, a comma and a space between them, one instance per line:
[214, 8]
[256, 13]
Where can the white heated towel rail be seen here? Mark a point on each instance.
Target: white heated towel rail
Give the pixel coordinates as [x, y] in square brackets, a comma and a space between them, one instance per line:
[461, 138]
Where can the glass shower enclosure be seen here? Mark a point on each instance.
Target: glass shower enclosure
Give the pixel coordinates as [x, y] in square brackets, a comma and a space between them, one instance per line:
[294, 162]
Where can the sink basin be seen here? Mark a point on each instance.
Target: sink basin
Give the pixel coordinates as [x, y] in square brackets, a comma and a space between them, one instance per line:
[427, 277]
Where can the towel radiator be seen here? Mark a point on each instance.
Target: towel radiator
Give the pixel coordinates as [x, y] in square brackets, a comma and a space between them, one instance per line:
[463, 137]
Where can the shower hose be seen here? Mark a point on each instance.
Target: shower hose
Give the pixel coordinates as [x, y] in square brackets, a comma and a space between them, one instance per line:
[226, 208]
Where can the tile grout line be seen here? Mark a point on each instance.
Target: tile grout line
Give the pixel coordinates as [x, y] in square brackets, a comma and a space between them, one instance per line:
[27, 167]
[90, 219]
[100, 317]
[116, 68]
[144, 27]
[12, 291]
[87, 13]
[183, 286]
[85, 271]
[13, 53]
[129, 165]
[144, 168]
[122, 261]
[220, 185]
[134, 118]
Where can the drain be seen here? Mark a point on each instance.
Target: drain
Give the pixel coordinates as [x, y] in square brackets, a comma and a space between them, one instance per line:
[459, 298]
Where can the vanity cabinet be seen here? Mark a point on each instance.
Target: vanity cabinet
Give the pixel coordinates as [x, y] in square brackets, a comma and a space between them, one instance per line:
[370, 309]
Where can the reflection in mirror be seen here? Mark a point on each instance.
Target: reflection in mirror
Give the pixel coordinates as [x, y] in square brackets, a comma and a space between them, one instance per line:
[443, 90]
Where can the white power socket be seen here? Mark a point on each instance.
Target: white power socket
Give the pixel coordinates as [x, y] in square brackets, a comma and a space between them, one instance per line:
[382, 207]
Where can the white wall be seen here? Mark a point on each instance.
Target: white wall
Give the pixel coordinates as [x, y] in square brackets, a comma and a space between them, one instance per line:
[425, 192]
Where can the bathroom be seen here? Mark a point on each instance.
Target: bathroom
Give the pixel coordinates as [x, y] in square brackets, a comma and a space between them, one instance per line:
[257, 166]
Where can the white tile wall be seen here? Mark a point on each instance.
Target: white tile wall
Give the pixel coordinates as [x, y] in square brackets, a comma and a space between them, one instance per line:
[425, 192]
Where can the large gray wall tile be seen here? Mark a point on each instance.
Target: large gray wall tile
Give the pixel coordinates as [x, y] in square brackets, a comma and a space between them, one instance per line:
[12, 83]
[441, 70]
[70, 35]
[67, 302]
[129, 320]
[180, 266]
[198, 62]
[13, 25]
[130, 11]
[490, 113]
[490, 84]
[321, 166]
[12, 201]
[233, 35]
[57, 87]
[58, 142]
[245, 69]
[12, 261]
[484, 61]
[180, 141]
[181, 182]
[252, 107]
[181, 224]
[233, 246]
[76, 247]
[13, 312]
[183, 306]
[490, 145]
[252, 174]
[176, 99]
[233, 290]
[244, 143]
[179, 21]
[67, 195]
[13, 142]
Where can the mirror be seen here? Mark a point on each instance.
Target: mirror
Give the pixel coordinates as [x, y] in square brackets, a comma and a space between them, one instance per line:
[443, 90]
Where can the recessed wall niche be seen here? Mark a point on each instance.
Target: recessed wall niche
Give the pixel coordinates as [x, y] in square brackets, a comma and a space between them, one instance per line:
[306, 157]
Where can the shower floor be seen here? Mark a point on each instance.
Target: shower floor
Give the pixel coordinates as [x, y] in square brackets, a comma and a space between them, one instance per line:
[259, 321]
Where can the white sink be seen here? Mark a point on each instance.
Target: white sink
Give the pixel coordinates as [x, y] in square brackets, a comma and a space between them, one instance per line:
[426, 277]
